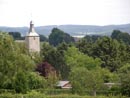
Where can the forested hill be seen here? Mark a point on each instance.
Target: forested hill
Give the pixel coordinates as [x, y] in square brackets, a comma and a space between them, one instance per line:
[73, 30]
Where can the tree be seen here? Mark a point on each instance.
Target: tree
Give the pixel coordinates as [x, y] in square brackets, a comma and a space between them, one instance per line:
[85, 47]
[16, 35]
[58, 36]
[55, 56]
[20, 83]
[35, 81]
[74, 58]
[83, 79]
[124, 73]
[25, 81]
[115, 34]
[121, 36]
[43, 38]
[125, 84]
[45, 69]
[12, 61]
[92, 38]
[110, 51]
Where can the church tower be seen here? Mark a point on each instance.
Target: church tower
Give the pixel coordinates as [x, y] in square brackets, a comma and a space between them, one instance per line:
[32, 39]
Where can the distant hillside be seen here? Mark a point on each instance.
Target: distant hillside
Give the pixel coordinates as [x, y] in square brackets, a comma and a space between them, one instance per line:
[73, 30]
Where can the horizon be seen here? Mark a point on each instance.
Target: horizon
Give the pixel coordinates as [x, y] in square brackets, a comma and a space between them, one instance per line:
[65, 25]
[18, 13]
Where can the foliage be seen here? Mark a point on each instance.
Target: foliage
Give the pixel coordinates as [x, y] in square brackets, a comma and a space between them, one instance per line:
[58, 36]
[23, 82]
[121, 36]
[125, 69]
[51, 81]
[16, 35]
[124, 73]
[55, 56]
[125, 84]
[36, 57]
[45, 69]
[110, 51]
[92, 38]
[43, 38]
[63, 68]
[35, 81]
[109, 77]
[85, 47]
[89, 80]
[20, 83]
[94, 61]
[74, 58]
[12, 62]
[115, 34]
[85, 66]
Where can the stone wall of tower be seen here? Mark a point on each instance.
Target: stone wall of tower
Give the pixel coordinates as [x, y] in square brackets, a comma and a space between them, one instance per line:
[32, 39]
[33, 43]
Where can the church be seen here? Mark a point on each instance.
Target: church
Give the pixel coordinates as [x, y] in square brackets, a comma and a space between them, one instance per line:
[32, 39]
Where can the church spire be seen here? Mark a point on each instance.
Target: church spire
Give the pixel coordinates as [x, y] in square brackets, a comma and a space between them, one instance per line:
[31, 30]
[32, 39]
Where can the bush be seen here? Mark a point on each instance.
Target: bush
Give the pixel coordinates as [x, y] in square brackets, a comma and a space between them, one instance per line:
[25, 82]
[35, 81]
[125, 84]
[21, 83]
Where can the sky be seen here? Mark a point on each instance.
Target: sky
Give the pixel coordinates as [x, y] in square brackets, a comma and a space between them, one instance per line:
[18, 13]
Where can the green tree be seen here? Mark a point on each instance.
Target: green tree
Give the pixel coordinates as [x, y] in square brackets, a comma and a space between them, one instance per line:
[43, 38]
[35, 81]
[83, 79]
[75, 58]
[110, 51]
[58, 36]
[55, 56]
[92, 38]
[115, 34]
[124, 73]
[85, 47]
[20, 83]
[16, 35]
[12, 61]
[125, 83]
[121, 36]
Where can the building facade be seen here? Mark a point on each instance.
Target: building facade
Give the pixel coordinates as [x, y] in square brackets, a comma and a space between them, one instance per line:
[32, 39]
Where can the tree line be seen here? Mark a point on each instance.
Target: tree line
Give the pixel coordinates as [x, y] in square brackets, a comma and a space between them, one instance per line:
[88, 63]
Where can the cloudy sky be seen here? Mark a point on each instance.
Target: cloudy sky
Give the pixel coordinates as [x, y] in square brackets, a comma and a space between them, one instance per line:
[57, 12]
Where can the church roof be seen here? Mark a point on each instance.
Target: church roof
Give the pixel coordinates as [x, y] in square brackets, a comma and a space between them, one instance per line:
[32, 34]
[32, 30]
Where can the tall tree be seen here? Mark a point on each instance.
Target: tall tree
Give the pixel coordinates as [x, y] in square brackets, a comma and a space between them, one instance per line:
[58, 36]
[115, 34]
[75, 58]
[43, 38]
[83, 80]
[16, 35]
[12, 60]
[55, 56]
[110, 51]
[85, 47]
[121, 36]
